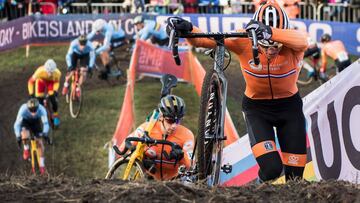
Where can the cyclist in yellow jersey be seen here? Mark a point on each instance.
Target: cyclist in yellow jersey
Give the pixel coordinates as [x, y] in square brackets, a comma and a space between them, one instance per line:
[46, 78]
[167, 127]
[271, 96]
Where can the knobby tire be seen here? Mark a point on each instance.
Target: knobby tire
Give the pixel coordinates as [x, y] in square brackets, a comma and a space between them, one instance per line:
[116, 171]
[210, 150]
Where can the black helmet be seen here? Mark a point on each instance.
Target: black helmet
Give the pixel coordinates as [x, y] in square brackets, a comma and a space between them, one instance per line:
[82, 40]
[325, 37]
[33, 105]
[172, 106]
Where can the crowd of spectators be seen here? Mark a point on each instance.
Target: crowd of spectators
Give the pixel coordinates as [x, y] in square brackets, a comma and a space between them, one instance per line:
[11, 9]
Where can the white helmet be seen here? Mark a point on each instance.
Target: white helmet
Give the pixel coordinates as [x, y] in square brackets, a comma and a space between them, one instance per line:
[138, 20]
[98, 25]
[50, 66]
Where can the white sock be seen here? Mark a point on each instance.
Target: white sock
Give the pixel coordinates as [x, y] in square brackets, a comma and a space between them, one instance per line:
[26, 147]
[42, 162]
[66, 84]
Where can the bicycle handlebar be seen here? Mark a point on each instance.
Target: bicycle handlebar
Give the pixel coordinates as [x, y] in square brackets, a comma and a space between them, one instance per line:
[146, 140]
[174, 39]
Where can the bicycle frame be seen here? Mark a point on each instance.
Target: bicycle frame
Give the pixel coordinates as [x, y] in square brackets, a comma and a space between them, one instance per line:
[33, 151]
[138, 154]
[75, 80]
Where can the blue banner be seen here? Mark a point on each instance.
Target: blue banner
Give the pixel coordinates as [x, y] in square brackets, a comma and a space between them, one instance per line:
[348, 33]
[62, 28]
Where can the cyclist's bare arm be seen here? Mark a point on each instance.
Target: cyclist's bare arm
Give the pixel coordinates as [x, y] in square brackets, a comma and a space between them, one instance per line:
[323, 61]
[293, 39]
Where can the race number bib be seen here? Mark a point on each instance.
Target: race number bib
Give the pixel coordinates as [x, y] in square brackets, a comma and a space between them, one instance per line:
[342, 56]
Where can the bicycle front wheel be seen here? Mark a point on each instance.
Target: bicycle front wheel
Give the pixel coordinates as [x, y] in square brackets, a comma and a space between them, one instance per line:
[117, 170]
[210, 144]
[75, 102]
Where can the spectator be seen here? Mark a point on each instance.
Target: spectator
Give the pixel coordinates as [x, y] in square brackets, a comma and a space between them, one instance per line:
[190, 6]
[209, 6]
[48, 7]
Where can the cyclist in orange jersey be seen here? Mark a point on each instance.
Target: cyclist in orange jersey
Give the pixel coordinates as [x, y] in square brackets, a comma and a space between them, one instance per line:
[336, 50]
[168, 115]
[271, 96]
[46, 77]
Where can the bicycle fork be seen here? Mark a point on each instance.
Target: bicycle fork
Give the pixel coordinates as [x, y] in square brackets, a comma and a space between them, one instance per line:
[34, 153]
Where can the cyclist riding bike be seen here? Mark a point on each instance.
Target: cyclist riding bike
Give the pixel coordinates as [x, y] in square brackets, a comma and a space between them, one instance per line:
[113, 38]
[171, 110]
[32, 118]
[151, 31]
[80, 50]
[271, 96]
[46, 77]
[335, 50]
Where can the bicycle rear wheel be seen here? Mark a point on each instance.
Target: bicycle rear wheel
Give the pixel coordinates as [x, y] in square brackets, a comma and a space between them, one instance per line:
[75, 102]
[307, 74]
[118, 168]
[49, 112]
[210, 146]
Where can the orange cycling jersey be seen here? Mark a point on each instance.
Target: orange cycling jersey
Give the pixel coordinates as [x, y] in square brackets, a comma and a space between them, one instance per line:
[41, 74]
[182, 137]
[335, 50]
[271, 79]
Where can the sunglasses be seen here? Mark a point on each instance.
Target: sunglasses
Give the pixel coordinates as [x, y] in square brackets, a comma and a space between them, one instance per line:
[172, 121]
[276, 46]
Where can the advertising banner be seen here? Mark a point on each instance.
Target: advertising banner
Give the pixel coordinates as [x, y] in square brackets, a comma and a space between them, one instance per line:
[333, 113]
[349, 33]
[62, 28]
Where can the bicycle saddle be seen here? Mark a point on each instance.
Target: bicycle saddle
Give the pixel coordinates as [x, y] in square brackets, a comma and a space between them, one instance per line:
[168, 81]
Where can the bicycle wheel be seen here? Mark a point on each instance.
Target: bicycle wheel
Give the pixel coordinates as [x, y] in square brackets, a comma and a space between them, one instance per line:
[34, 157]
[306, 75]
[49, 112]
[118, 168]
[210, 146]
[75, 102]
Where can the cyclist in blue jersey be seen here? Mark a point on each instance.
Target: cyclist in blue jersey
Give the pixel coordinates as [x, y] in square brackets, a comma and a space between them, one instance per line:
[81, 50]
[113, 38]
[149, 30]
[32, 118]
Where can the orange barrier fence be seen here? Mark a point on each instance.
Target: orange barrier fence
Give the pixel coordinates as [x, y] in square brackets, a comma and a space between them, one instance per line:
[142, 61]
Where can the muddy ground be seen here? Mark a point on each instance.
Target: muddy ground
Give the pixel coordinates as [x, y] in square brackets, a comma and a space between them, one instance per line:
[60, 189]
[69, 189]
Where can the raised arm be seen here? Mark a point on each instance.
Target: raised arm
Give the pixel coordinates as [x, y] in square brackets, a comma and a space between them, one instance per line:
[293, 39]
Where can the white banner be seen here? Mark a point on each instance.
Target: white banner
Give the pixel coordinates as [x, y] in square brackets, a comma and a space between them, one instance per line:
[333, 124]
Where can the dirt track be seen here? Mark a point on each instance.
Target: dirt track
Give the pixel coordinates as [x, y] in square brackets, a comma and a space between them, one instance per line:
[62, 189]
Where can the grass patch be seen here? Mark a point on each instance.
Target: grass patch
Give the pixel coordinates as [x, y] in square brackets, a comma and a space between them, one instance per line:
[14, 60]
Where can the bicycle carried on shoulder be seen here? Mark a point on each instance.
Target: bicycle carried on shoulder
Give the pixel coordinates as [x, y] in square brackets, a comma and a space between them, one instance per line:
[210, 139]
[75, 98]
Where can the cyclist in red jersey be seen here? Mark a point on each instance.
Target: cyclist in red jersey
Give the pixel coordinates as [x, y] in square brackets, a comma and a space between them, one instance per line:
[167, 126]
[271, 96]
[336, 50]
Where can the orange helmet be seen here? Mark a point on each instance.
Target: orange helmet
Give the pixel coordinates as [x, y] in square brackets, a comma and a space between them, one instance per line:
[273, 15]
